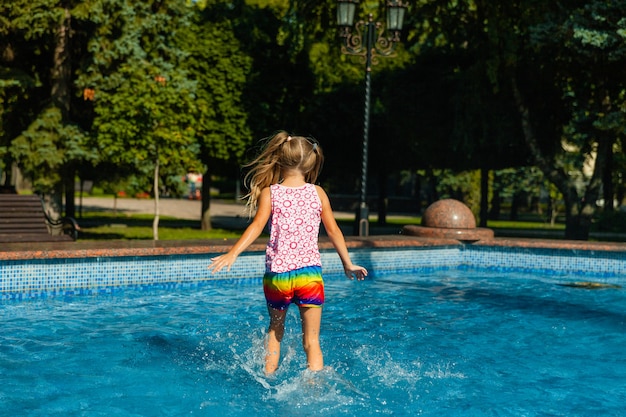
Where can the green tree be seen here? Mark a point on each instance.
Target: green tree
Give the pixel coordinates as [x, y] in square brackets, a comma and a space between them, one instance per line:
[144, 100]
[549, 60]
[216, 62]
[586, 45]
[37, 52]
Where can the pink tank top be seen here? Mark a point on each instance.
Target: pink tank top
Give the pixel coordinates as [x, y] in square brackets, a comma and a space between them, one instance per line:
[294, 228]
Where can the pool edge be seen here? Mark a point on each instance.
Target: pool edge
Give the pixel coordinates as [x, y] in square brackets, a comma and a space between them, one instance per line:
[40, 270]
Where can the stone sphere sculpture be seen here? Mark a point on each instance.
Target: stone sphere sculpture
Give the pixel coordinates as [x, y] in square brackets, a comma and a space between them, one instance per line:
[449, 213]
[451, 219]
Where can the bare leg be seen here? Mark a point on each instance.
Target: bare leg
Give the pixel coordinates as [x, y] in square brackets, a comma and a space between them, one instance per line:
[275, 334]
[311, 321]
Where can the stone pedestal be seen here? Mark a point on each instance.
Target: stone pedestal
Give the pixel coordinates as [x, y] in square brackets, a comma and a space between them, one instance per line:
[449, 219]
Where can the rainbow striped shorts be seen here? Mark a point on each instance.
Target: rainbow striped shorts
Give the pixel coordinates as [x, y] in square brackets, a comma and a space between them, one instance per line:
[303, 287]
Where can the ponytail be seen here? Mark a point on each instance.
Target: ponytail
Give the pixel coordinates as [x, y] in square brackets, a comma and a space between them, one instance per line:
[281, 151]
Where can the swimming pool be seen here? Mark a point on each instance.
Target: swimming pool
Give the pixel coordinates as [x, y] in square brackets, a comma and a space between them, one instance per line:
[450, 342]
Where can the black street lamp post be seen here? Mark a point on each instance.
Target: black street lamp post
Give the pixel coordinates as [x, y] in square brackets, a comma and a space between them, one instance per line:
[369, 42]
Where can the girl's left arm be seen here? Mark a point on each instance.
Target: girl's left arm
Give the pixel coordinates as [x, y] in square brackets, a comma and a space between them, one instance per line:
[252, 232]
[336, 237]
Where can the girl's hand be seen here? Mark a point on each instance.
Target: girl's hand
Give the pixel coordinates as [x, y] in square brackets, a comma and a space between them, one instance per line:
[219, 262]
[355, 271]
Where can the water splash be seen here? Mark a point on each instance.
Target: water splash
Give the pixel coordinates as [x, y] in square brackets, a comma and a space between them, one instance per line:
[386, 370]
[324, 390]
[292, 386]
[444, 371]
[252, 360]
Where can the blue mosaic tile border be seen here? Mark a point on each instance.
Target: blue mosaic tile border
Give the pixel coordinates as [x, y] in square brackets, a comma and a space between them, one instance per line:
[38, 278]
[564, 263]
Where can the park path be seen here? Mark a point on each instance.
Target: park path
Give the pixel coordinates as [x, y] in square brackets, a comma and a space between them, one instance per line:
[179, 208]
[224, 214]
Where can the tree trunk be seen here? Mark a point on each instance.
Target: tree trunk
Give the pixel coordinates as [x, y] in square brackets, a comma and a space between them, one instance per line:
[61, 78]
[496, 201]
[431, 193]
[383, 200]
[417, 192]
[580, 217]
[70, 191]
[608, 190]
[516, 202]
[205, 215]
[574, 225]
[577, 223]
[484, 197]
[620, 194]
[62, 67]
[155, 222]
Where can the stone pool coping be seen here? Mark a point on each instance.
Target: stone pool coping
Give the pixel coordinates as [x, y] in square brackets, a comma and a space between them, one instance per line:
[116, 248]
[119, 248]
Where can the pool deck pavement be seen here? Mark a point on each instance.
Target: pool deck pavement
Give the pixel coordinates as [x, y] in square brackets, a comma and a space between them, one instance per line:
[231, 215]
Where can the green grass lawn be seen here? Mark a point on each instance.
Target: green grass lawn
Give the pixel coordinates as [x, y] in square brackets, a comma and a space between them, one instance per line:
[111, 226]
[495, 224]
[108, 226]
[537, 225]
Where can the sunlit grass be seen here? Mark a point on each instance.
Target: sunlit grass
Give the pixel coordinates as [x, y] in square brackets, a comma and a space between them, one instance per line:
[111, 226]
[145, 233]
[107, 225]
[509, 224]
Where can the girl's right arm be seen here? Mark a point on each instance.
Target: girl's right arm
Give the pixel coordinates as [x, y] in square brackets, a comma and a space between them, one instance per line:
[252, 232]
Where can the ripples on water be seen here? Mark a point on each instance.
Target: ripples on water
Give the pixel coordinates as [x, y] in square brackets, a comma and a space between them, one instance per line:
[399, 345]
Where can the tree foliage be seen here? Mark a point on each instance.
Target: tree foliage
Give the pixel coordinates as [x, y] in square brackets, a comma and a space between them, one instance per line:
[476, 84]
[556, 63]
[586, 46]
[39, 131]
[47, 146]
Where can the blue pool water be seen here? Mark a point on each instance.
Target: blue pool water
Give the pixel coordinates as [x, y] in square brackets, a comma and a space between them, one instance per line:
[451, 343]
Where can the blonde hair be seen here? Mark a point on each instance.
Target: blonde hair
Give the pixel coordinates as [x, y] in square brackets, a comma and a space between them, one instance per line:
[282, 151]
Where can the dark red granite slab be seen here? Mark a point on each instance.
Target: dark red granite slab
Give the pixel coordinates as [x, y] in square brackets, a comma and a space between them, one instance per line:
[117, 248]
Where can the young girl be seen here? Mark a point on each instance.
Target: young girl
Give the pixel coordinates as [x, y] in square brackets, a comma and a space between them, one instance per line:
[282, 192]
